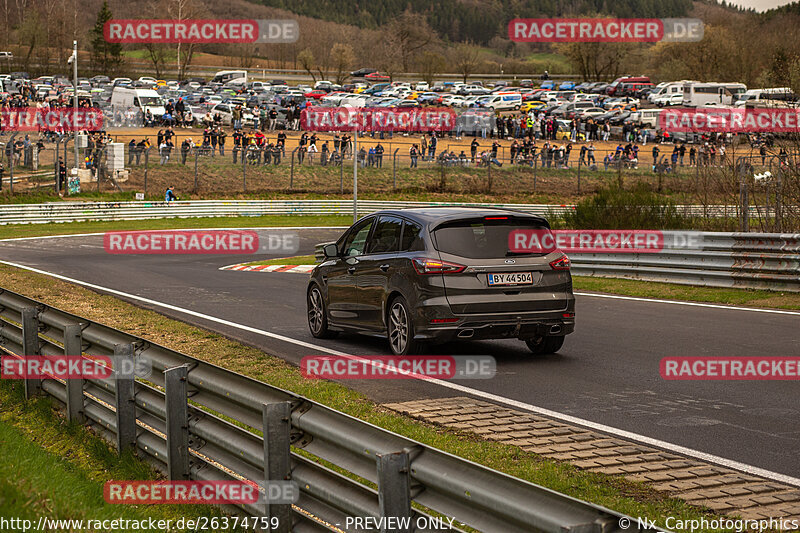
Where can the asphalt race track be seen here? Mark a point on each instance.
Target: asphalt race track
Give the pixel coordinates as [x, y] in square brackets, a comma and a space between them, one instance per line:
[607, 372]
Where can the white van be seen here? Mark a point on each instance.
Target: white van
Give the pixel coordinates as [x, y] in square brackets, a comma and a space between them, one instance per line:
[504, 101]
[696, 94]
[238, 77]
[648, 117]
[665, 92]
[124, 98]
[776, 95]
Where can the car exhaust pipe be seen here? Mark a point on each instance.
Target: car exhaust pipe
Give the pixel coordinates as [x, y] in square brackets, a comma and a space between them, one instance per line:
[555, 330]
[466, 333]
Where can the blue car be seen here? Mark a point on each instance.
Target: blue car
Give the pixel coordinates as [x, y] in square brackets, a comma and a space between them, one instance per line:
[549, 84]
[566, 86]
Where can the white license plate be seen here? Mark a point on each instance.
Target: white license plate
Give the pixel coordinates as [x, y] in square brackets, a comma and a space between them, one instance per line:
[511, 278]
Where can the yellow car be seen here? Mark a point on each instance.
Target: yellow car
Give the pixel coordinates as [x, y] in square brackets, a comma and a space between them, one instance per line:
[161, 83]
[534, 104]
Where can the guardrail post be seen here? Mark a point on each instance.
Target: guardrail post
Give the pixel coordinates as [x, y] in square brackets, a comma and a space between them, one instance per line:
[394, 488]
[177, 423]
[277, 423]
[73, 346]
[126, 408]
[30, 346]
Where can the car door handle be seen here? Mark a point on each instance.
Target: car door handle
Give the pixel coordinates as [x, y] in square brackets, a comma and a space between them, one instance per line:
[351, 269]
[384, 267]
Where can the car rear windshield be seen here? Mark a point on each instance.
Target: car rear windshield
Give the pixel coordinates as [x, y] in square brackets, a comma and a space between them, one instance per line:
[482, 238]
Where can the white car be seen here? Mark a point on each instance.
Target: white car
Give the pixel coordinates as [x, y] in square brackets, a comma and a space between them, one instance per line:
[225, 112]
[422, 86]
[669, 100]
[453, 100]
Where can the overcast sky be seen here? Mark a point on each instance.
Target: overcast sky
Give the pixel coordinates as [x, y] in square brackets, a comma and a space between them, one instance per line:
[760, 5]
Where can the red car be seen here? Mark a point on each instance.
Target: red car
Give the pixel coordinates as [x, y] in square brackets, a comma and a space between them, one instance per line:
[315, 94]
[377, 76]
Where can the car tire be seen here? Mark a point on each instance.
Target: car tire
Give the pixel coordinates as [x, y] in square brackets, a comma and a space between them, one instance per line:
[318, 315]
[545, 345]
[400, 328]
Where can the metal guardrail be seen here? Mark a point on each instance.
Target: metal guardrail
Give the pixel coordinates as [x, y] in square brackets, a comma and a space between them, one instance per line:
[742, 260]
[228, 410]
[82, 211]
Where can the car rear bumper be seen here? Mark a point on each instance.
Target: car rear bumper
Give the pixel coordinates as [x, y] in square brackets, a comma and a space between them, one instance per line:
[492, 326]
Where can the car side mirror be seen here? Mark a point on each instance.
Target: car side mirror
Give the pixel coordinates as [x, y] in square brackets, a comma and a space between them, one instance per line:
[330, 250]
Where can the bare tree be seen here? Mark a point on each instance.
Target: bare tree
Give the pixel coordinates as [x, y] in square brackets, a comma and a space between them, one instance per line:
[465, 59]
[411, 33]
[184, 10]
[596, 61]
[342, 58]
[430, 64]
[306, 60]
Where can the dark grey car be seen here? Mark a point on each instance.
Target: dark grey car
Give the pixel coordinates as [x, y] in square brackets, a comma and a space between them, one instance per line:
[432, 275]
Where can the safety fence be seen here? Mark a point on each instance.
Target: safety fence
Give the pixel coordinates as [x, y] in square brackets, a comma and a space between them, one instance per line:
[84, 211]
[744, 260]
[194, 420]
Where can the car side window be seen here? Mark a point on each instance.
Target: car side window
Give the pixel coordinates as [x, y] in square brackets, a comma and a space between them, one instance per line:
[411, 241]
[356, 240]
[386, 238]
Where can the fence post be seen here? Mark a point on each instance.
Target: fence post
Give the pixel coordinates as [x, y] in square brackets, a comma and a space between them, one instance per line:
[394, 169]
[277, 466]
[291, 171]
[124, 395]
[73, 346]
[579, 176]
[146, 167]
[30, 346]
[55, 166]
[196, 155]
[535, 164]
[10, 153]
[341, 175]
[244, 169]
[177, 423]
[744, 222]
[394, 488]
[489, 176]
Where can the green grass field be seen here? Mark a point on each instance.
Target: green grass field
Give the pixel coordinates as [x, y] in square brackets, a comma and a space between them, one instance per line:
[52, 469]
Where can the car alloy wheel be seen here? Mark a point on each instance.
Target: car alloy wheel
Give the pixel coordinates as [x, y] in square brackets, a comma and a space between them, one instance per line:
[315, 311]
[398, 327]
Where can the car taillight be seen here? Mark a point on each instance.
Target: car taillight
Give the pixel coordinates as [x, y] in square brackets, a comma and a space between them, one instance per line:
[562, 263]
[423, 265]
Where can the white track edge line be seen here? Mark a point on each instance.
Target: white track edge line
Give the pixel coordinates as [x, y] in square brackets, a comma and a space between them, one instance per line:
[722, 461]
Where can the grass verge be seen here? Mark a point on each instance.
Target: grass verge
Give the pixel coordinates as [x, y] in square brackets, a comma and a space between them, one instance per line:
[49, 468]
[13, 231]
[645, 289]
[674, 291]
[614, 492]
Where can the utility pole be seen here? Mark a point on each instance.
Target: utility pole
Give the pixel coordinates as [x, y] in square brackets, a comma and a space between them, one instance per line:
[75, 100]
[355, 174]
